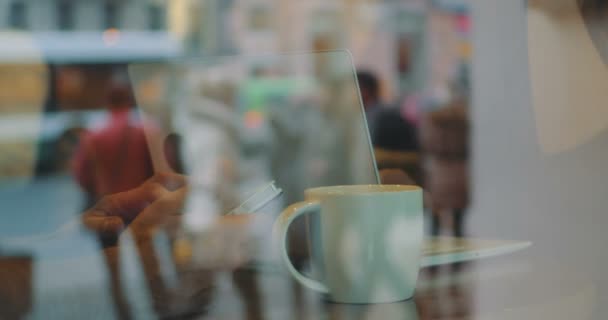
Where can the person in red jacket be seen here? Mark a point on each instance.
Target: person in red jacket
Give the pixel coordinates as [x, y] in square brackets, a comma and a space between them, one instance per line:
[115, 157]
[111, 159]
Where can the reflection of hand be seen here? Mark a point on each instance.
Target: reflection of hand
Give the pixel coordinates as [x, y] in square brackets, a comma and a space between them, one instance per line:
[145, 207]
[157, 203]
[160, 200]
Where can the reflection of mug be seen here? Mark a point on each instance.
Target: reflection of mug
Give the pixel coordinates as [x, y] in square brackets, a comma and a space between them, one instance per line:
[371, 241]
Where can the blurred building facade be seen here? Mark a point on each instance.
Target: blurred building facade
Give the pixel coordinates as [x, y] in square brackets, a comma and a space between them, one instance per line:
[412, 46]
[71, 15]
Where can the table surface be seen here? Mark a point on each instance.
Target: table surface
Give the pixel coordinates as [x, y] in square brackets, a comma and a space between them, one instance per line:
[68, 279]
[75, 285]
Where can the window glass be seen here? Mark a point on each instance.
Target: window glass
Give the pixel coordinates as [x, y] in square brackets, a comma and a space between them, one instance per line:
[65, 15]
[17, 15]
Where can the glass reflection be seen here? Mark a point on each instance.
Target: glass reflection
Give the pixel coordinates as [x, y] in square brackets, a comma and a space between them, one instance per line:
[112, 206]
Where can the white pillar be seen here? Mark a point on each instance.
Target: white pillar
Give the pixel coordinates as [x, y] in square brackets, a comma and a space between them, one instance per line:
[557, 201]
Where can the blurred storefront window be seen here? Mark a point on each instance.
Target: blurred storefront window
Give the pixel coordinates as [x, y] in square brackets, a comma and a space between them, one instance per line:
[65, 15]
[18, 15]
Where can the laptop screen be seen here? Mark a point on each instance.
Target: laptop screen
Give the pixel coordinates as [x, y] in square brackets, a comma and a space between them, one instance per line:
[242, 122]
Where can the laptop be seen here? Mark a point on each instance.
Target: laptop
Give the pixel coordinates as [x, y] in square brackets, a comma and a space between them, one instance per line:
[256, 131]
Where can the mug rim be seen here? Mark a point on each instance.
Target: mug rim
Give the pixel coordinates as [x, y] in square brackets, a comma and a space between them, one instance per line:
[363, 189]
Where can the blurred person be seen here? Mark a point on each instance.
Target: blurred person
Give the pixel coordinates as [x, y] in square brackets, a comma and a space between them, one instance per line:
[388, 127]
[115, 157]
[66, 146]
[325, 146]
[48, 161]
[67, 105]
[394, 133]
[112, 159]
[444, 139]
[369, 88]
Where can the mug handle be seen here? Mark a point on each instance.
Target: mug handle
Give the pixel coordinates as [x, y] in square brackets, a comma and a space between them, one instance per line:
[280, 229]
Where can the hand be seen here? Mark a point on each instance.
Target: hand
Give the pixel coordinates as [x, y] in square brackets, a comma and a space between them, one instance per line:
[157, 203]
[145, 207]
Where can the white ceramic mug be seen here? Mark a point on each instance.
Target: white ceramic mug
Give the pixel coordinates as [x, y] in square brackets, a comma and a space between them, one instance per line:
[371, 238]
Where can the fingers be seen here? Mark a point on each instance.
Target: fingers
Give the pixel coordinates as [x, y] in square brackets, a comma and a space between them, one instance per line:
[170, 181]
[112, 212]
[103, 224]
[160, 212]
[155, 188]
